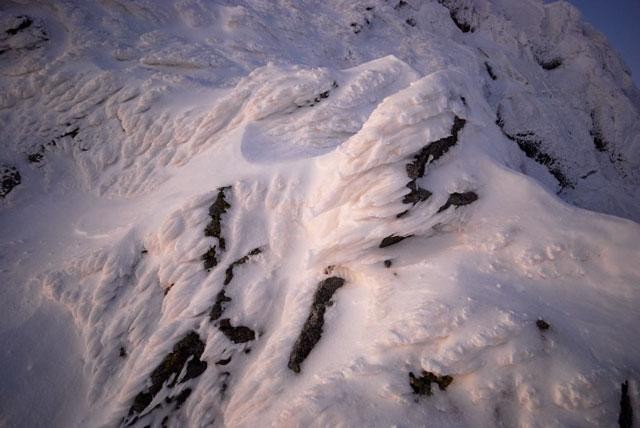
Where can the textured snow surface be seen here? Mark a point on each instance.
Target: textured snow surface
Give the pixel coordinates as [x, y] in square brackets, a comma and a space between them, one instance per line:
[179, 177]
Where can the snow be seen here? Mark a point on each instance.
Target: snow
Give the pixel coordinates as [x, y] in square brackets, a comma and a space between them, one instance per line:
[141, 110]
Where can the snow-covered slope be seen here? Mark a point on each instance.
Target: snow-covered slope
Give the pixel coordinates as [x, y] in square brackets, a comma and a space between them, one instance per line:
[316, 213]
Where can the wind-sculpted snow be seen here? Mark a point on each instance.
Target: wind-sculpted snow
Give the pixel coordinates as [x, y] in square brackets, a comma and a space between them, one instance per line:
[460, 301]
[135, 94]
[196, 180]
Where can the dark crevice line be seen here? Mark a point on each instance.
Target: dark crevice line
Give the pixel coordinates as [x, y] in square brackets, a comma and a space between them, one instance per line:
[527, 142]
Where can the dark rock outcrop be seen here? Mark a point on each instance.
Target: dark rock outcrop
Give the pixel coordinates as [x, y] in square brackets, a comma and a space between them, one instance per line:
[228, 274]
[435, 150]
[214, 229]
[532, 148]
[9, 179]
[625, 420]
[219, 305]
[542, 325]
[459, 199]
[312, 328]
[187, 351]
[391, 240]
[429, 153]
[239, 334]
[422, 385]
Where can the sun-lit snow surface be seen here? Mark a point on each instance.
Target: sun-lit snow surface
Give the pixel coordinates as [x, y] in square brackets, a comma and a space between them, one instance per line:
[124, 118]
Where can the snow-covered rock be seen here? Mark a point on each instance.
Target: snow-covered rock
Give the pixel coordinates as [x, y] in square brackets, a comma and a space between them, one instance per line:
[317, 214]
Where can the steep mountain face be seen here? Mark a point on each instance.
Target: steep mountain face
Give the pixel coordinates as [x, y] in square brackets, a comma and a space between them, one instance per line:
[309, 213]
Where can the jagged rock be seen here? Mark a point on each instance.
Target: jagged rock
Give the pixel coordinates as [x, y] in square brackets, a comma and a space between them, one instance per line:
[542, 325]
[459, 199]
[219, 305]
[625, 420]
[219, 207]
[210, 258]
[37, 156]
[312, 328]
[391, 240]
[240, 334]
[434, 151]
[214, 228]
[187, 350]
[417, 194]
[322, 95]
[528, 143]
[416, 169]
[228, 274]
[9, 179]
[221, 297]
[422, 385]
